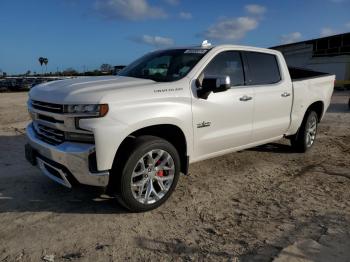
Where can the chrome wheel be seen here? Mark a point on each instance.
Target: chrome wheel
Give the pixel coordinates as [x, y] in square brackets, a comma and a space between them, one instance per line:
[152, 176]
[311, 129]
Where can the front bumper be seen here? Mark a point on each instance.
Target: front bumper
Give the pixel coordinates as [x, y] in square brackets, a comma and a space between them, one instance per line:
[64, 161]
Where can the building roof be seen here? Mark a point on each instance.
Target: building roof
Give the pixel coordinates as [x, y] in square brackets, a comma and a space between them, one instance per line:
[311, 41]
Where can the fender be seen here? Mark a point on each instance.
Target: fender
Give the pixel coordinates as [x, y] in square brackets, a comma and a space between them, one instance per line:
[122, 121]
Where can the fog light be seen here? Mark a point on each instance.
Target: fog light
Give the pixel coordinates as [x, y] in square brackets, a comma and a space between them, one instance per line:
[79, 137]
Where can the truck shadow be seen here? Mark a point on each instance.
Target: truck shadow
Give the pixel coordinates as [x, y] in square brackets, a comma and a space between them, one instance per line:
[24, 189]
[50, 197]
[273, 148]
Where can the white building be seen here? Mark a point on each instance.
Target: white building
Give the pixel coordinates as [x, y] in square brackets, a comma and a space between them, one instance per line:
[328, 54]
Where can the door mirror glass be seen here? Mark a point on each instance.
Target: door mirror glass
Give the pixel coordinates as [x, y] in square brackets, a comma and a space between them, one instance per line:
[213, 84]
[223, 83]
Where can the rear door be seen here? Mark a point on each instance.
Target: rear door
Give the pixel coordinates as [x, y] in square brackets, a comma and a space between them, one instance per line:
[272, 95]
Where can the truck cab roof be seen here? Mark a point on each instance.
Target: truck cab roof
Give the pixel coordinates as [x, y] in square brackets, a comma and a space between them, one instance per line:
[227, 47]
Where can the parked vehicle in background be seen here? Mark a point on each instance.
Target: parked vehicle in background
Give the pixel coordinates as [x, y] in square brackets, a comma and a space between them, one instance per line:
[23, 83]
[136, 132]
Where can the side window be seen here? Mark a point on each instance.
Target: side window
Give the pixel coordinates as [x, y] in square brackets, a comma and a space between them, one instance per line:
[227, 63]
[263, 68]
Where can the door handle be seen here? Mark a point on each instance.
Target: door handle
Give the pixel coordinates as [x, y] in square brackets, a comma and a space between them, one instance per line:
[245, 98]
[285, 94]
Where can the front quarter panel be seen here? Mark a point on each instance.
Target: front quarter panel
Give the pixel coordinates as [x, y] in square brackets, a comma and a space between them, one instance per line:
[131, 110]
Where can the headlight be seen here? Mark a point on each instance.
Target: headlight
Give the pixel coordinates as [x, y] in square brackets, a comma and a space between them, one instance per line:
[89, 109]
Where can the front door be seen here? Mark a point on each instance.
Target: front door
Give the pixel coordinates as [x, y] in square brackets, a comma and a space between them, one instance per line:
[223, 121]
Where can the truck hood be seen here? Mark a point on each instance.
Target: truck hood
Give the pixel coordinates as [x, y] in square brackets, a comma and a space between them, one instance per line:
[84, 89]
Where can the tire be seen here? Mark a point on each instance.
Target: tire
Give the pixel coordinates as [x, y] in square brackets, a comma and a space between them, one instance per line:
[150, 175]
[306, 136]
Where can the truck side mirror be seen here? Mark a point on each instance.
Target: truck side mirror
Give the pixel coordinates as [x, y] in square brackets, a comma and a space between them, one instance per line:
[213, 84]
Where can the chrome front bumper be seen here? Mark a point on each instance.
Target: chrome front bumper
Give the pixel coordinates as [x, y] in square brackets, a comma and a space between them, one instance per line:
[65, 160]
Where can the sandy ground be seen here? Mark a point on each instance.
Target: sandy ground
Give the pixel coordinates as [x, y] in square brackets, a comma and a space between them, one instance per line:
[256, 205]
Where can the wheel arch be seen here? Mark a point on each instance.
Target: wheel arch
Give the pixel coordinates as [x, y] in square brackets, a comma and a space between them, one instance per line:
[297, 119]
[318, 107]
[170, 132]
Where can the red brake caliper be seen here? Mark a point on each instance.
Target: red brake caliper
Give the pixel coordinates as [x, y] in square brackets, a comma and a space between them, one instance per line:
[160, 172]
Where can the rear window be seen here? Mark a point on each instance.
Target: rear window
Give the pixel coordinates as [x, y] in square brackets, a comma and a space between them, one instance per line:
[263, 68]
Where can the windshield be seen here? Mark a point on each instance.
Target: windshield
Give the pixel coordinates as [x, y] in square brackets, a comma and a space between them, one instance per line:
[164, 66]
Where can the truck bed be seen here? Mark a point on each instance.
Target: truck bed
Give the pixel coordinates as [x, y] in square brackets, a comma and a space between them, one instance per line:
[308, 87]
[298, 74]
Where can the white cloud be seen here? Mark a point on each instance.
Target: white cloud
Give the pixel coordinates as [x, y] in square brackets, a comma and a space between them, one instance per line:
[231, 28]
[157, 41]
[254, 9]
[327, 31]
[185, 15]
[236, 28]
[291, 38]
[347, 25]
[128, 10]
[172, 2]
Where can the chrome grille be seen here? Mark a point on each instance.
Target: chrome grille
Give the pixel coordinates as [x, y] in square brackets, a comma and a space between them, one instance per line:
[49, 107]
[50, 135]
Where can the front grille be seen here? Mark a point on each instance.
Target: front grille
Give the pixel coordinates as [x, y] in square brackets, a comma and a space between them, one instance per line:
[49, 119]
[49, 107]
[50, 135]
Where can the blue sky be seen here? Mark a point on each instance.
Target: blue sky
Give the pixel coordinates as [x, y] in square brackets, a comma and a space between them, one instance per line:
[86, 33]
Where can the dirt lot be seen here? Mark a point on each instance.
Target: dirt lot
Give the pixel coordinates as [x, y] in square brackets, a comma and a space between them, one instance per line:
[254, 205]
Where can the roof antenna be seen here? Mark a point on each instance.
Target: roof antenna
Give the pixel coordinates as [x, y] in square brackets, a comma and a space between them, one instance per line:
[205, 43]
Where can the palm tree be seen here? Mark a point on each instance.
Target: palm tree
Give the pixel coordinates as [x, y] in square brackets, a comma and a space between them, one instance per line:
[46, 61]
[41, 61]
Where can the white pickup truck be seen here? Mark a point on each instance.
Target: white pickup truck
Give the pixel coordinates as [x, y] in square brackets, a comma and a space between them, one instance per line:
[136, 132]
